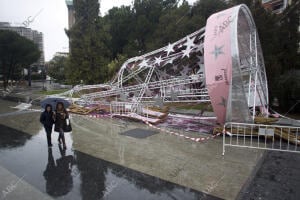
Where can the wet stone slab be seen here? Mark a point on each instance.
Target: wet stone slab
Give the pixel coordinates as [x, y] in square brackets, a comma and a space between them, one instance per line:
[6, 106]
[139, 133]
[188, 164]
[71, 174]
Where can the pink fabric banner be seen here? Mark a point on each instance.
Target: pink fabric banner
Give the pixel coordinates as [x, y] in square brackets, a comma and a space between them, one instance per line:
[218, 60]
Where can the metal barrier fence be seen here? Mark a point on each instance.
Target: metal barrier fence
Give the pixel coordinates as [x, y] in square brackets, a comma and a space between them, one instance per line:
[125, 108]
[260, 136]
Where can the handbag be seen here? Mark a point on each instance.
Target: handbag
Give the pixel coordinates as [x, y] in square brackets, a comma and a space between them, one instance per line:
[68, 127]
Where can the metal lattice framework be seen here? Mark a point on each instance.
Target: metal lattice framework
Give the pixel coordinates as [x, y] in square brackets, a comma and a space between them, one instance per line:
[176, 72]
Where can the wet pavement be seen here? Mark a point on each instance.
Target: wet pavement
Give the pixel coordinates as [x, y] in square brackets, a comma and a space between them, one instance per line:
[24, 93]
[99, 163]
[71, 174]
[277, 178]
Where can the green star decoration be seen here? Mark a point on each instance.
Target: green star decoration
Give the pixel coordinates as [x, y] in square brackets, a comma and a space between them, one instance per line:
[217, 51]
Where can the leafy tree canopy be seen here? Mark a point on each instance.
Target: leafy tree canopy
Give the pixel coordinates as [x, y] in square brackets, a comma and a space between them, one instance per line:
[16, 52]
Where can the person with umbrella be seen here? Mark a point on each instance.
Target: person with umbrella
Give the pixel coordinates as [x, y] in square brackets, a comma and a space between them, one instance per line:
[47, 120]
[61, 116]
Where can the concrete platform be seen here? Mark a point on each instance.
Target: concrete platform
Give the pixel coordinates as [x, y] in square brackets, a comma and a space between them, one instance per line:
[182, 169]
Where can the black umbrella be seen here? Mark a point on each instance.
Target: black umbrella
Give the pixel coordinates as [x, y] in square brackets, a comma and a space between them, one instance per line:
[53, 101]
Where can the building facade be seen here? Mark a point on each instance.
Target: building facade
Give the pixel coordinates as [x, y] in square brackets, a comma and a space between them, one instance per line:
[276, 6]
[35, 36]
[61, 54]
[71, 13]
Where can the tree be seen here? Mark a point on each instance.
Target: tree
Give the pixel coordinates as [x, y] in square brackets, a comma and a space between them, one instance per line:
[97, 43]
[145, 21]
[16, 52]
[114, 66]
[205, 8]
[119, 21]
[178, 22]
[89, 47]
[57, 68]
[289, 36]
[286, 83]
[279, 37]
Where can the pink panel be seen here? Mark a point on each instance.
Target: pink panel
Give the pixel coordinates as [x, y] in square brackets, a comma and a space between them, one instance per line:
[217, 60]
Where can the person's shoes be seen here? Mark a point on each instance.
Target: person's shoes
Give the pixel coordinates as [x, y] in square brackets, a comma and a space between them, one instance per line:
[49, 145]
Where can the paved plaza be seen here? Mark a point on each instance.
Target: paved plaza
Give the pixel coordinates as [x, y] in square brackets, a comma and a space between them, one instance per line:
[101, 163]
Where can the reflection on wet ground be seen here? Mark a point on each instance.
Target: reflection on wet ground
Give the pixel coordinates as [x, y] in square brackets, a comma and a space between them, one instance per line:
[70, 174]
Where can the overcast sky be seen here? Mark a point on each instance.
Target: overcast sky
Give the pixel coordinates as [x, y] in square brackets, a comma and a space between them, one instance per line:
[51, 20]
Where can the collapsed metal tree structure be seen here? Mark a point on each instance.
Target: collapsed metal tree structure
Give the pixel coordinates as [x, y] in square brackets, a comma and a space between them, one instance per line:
[221, 63]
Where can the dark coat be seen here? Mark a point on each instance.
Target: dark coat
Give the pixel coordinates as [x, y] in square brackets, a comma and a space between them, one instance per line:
[60, 121]
[46, 119]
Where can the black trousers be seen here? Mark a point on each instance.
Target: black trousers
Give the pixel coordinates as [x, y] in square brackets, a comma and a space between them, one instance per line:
[61, 136]
[48, 130]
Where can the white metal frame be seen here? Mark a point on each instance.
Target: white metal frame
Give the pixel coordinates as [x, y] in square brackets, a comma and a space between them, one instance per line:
[145, 78]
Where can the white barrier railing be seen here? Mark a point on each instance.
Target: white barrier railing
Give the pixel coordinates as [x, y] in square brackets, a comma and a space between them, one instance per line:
[261, 136]
[123, 108]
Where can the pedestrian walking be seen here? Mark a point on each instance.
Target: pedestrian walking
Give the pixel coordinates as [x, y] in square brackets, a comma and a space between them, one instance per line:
[62, 124]
[47, 120]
